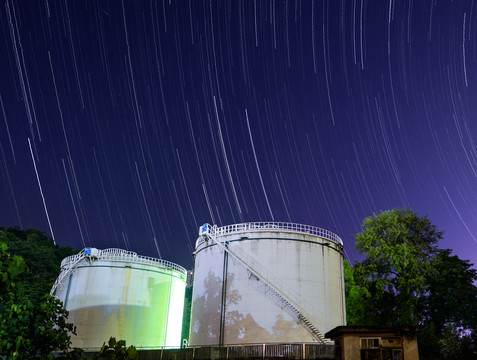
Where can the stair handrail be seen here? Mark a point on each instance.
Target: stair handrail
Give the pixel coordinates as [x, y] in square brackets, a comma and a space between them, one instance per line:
[66, 269]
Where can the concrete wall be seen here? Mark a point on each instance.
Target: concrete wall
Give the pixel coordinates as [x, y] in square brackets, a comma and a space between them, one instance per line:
[411, 351]
[350, 345]
[351, 348]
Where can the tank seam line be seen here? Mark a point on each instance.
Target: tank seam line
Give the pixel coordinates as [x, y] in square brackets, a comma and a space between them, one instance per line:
[135, 268]
[298, 240]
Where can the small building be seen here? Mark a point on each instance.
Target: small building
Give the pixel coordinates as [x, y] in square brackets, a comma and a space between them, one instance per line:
[374, 343]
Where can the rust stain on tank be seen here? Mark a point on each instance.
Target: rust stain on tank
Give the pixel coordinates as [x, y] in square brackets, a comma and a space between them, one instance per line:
[122, 307]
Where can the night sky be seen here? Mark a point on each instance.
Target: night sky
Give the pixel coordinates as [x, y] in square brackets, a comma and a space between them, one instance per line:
[130, 123]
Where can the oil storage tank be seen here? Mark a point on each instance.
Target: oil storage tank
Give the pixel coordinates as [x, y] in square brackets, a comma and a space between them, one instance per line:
[266, 282]
[118, 293]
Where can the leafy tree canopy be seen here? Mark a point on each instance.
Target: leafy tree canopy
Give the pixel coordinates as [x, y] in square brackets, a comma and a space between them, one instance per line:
[41, 257]
[29, 328]
[33, 324]
[10, 268]
[354, 293]
[116, 350]
[406, 279]
[452, 296]
[400, 250]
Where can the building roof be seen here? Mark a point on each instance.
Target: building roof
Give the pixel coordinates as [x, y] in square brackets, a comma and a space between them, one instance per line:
[368, 330]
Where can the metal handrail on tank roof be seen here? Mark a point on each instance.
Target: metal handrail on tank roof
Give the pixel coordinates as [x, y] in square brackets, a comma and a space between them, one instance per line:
[272, 225]
[69, 264]
[115, 254]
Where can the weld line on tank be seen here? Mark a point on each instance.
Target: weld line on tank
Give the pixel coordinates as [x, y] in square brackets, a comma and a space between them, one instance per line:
[135, 268]
[266, 238]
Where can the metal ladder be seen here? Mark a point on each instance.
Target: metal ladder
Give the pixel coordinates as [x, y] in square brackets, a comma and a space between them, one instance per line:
[262, 273]
[66, 272]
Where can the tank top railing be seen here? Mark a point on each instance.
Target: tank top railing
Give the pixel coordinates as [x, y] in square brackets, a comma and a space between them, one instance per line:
[70, 263]
[307, 229]
[114, 254]
[275, 226]
[274, 283]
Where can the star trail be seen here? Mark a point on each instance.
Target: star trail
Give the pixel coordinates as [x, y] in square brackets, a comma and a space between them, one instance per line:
[130, 123]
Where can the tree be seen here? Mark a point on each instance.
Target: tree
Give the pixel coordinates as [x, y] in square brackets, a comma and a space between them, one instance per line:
[405, 279]
[41, 257]
[450, 310]
[452, 296]
[356, 312]
[10, 269]
[29, 328]
[116, 350]
[35, 330]
[399, 248]
[33, 324]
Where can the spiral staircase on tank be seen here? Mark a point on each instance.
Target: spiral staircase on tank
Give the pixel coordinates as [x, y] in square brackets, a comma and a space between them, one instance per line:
[272, 283]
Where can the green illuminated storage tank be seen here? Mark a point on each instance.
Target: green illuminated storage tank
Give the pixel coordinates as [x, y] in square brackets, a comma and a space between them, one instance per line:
[118, 293]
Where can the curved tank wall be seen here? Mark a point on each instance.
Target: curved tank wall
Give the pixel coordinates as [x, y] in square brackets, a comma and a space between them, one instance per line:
[231, 305]
[117, 293]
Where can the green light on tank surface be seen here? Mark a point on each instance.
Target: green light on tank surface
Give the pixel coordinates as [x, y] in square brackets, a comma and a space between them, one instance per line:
[174, 323]
[140, 304]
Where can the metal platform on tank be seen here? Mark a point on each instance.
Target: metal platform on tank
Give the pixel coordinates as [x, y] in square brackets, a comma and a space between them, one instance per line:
[271, 226]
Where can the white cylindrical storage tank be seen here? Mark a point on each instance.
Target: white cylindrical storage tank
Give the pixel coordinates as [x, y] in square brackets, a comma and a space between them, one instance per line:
[118, 293]
[266, 282]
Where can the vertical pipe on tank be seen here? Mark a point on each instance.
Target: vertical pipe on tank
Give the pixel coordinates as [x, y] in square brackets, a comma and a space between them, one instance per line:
[167, 312]
[343, 305]
[67, 291]
[224, 296]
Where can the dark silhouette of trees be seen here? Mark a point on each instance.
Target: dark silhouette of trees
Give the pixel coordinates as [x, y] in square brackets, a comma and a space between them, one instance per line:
[29, 327]
[41, 257]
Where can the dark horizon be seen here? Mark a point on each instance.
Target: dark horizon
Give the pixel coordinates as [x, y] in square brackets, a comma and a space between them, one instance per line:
[144, 120]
